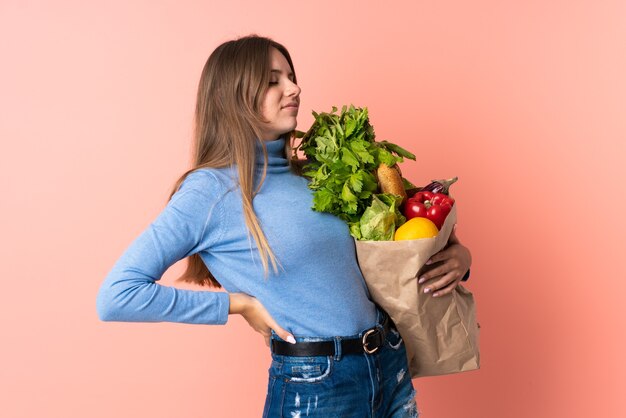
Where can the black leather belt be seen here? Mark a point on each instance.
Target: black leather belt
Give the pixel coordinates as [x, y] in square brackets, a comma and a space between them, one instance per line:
[371, 340]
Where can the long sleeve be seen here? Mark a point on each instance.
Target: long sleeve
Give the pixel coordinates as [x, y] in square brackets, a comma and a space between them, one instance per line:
[188, 224]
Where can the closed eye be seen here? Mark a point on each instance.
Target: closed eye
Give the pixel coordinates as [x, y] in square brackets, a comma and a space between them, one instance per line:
[289, 75]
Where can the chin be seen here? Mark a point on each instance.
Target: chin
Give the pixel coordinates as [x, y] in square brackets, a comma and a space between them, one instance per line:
[284, 128]
[292, 126]
[287, 129]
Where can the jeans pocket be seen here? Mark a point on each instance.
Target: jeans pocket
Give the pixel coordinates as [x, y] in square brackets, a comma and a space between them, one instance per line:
[313, 369]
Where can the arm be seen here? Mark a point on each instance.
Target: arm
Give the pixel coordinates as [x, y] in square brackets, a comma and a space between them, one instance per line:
[189, 224]
[454, 240]
[130, 291]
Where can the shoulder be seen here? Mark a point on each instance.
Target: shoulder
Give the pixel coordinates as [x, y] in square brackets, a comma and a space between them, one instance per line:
[200, 190]
[195, 200]
[204, 181]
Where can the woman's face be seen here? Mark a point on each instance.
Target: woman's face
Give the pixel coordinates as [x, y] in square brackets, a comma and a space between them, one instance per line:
[281, 103]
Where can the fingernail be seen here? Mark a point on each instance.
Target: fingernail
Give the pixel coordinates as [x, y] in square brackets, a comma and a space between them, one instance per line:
[291, 340]
[426, 290]
[435, 295]
[429, 262]
[421, 280]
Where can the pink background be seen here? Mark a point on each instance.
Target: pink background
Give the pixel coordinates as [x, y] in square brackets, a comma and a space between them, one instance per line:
[524, 101]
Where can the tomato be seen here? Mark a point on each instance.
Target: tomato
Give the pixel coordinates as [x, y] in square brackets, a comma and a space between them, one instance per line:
[414, 208]
[438, 213]
[416, 228]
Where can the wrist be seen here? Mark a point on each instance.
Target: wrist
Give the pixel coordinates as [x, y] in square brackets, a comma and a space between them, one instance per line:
[238, 303]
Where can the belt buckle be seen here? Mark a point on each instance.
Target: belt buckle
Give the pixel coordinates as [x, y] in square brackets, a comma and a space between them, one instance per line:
[367, 334]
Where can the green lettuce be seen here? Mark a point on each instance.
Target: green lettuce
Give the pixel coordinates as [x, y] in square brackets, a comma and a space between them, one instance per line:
[381, 218]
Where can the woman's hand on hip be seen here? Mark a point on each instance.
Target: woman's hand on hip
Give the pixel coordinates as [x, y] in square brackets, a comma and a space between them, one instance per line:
[257, 316]
[445, 270]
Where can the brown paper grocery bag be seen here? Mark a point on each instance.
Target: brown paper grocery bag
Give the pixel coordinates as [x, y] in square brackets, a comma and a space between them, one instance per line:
[440, 334]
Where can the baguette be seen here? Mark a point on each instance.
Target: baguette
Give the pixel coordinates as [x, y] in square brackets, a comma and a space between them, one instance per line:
[390, 180]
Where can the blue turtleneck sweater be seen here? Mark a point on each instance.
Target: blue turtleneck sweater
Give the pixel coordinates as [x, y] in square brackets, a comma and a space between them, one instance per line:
[319, 291]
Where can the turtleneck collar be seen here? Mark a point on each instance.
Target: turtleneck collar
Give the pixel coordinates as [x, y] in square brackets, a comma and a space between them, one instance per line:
[276, 161]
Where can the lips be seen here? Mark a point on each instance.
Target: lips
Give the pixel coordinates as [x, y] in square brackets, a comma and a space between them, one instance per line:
[291, 105]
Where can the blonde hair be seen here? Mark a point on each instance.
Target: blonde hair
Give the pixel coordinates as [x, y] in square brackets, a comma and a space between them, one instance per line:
[227, 118]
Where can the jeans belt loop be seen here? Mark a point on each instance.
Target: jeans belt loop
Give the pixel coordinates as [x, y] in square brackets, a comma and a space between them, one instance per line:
[338, 352]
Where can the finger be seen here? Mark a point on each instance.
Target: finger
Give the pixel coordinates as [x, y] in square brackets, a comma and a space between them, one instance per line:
[445, 280]
[282, 333]
[434, 272]
[446, 290]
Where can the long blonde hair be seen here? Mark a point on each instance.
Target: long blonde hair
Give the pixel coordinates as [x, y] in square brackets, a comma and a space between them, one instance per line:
[227, 118]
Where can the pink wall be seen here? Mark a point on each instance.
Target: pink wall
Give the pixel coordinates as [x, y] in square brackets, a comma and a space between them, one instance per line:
[524, 101]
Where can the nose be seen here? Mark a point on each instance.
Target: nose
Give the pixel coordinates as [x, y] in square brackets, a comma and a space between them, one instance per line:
[292, 89]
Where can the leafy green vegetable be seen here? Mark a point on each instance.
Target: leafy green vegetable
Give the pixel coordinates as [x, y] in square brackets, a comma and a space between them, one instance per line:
[342, 158]
[398, 150]
[379, 220]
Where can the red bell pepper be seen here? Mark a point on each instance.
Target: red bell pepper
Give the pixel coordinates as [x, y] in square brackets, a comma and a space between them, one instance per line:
[433, 206]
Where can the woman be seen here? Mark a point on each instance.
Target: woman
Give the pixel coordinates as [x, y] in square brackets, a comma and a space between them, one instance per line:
[335, 353]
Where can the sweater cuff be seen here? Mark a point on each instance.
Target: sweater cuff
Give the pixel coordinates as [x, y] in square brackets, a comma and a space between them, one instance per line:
[224, 307]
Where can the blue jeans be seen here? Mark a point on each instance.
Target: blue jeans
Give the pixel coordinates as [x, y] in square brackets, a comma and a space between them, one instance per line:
[376, 385]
